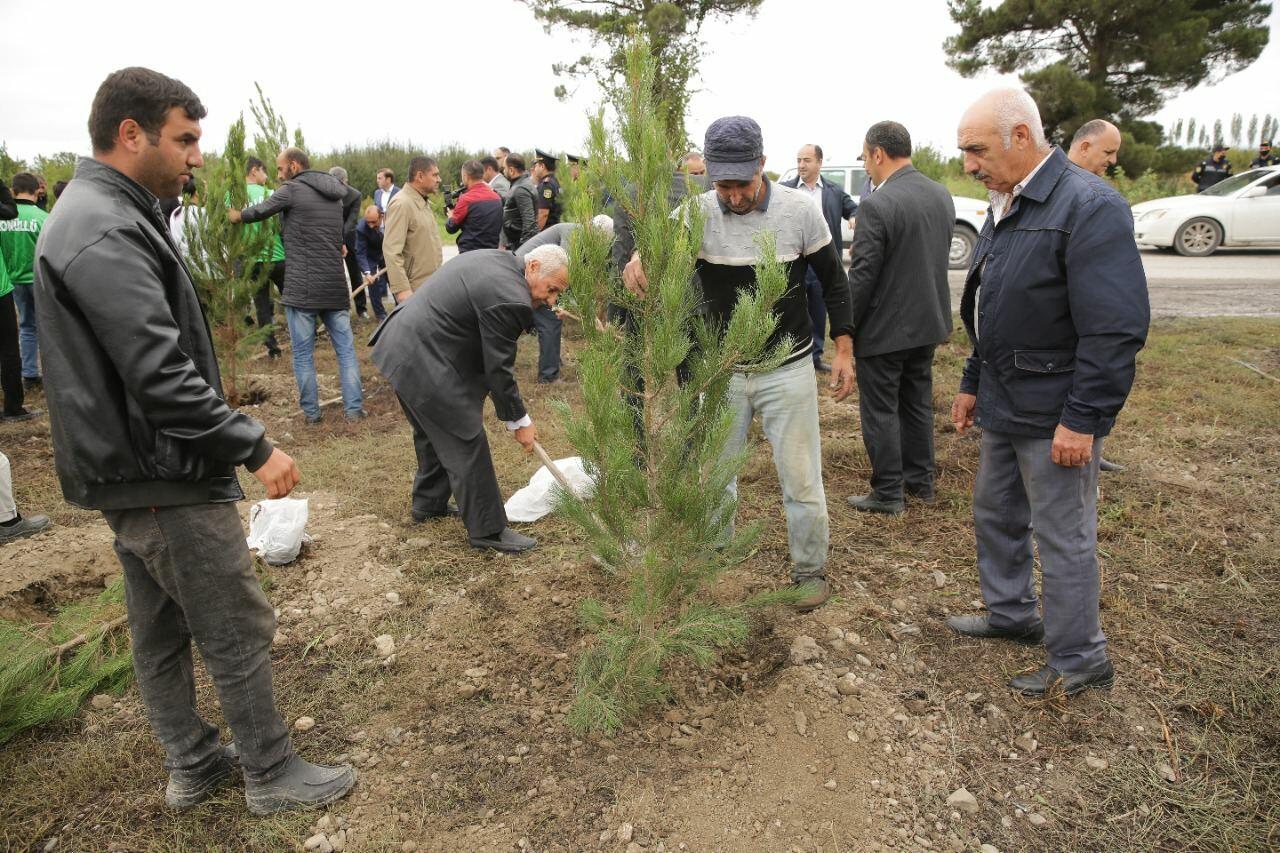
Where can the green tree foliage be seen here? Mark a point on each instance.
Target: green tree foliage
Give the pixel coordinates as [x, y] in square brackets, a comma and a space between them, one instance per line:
[670, 28]
[655, 446]
[1082, 59]
[1252, 136]
[221, 256]
[47, 675]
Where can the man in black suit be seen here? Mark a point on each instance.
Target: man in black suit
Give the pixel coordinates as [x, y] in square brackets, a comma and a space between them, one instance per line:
[836, 205]
[443, 353]
[901, 312]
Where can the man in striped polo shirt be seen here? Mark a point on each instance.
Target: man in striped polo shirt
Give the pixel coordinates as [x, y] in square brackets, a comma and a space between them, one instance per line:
[743, 204]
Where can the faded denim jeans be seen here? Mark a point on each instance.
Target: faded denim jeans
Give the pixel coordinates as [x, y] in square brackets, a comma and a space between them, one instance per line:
[787, 401]
[302, 338]
[188, 576]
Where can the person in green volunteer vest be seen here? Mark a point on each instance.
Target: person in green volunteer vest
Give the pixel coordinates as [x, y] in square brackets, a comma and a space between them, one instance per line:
[18, 246]
[10, 360]
[255, 175]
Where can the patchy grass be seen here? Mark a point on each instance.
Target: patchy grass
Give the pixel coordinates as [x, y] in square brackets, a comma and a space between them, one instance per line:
[1191, 565]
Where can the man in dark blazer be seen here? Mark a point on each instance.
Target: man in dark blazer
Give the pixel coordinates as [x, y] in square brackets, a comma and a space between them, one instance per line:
[443, 353]
[836, 205]
[901, 312]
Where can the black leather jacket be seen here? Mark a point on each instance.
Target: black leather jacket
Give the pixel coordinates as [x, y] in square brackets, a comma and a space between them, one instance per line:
[131, 379]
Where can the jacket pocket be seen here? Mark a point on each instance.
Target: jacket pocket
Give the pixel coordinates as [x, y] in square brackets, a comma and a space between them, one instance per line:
[1041, 380]
[175, 461]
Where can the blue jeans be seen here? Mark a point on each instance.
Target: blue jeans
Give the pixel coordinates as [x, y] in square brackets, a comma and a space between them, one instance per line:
[787, 401]
[548, 326]
[25, 298]
[302, 337]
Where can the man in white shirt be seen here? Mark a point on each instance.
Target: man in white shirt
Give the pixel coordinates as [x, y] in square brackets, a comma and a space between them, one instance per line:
[386, 190]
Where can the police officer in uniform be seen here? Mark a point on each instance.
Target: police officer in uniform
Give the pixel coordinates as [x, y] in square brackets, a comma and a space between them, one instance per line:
[1213, 170]
[548, 189]
[575, 166]
[1265, 156]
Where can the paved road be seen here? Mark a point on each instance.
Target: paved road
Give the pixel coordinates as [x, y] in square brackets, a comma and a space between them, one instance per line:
[1231, 282]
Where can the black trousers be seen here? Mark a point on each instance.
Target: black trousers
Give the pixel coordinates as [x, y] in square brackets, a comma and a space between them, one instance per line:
[462, 467]
[263, 305]
[357, 277]
[895, 398]
[10, 357]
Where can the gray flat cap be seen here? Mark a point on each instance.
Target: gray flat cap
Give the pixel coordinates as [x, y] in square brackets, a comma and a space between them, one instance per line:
[733, 148]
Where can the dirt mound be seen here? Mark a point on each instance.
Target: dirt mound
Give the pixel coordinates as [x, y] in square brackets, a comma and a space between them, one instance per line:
[52, 568]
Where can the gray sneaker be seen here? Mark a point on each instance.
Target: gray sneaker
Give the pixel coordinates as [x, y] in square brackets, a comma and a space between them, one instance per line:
[301, 785]
[25, 526]
[190, 788]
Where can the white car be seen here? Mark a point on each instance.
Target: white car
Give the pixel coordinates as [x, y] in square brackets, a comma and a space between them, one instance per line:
[970, 212]
[1243, 210]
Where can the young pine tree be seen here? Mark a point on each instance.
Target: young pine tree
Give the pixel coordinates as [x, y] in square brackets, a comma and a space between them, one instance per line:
[660, 519]
[220, 255]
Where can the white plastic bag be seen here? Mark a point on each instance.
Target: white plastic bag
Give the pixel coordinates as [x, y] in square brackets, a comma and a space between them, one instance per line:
[539, 497]
[277, 529]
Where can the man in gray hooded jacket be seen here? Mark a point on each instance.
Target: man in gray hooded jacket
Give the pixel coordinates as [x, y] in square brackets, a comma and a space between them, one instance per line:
[313, 208]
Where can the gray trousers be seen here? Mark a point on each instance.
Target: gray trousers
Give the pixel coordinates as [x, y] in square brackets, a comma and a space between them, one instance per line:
[895, 402]
[461, 467]
[1019, 489]
[188, 576]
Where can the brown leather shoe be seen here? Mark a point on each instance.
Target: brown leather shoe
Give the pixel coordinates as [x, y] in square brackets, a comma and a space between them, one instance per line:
[813, 594]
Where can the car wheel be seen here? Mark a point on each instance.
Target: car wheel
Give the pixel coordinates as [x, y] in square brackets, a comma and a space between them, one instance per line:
[963, 242]
[1198, 238]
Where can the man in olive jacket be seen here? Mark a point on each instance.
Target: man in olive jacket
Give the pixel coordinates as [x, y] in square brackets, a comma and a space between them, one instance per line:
[314, 208]
[141, 433]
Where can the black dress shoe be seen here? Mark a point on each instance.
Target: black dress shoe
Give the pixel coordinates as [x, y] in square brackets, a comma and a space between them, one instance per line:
[980, 626]
[921, 496]
[508, 540]
[871, 503]
[21, 415]
[1047, 679]
[421, 515]
[32, 382]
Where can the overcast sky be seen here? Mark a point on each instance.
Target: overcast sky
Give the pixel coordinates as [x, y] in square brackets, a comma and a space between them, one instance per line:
[808, 71]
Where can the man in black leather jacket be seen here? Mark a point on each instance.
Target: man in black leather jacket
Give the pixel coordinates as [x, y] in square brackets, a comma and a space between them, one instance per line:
[142, 433]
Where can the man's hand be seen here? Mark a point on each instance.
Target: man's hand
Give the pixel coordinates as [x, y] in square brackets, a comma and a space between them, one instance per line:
[526, 436]
[279, 474]
[403, 296]
[234, 216]
[962, 410]
[367, 279]
[1071, 449]
[344, 250]
[633, 276]
[842, 368]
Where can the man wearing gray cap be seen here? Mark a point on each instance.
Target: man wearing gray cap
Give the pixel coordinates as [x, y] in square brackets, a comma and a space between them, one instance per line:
[742, 205]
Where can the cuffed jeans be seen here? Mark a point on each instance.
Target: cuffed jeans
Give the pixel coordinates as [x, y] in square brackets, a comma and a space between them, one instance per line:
[302, 337]
[1019, 489]
[188, 576]
[548, 326]
[24, 296]
[787, 401]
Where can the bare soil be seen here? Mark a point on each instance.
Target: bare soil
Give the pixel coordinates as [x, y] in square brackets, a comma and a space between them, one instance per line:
[845, 729]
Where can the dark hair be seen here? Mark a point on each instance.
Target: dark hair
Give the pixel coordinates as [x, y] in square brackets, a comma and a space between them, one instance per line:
[473, 169]
[252, 163]
[420, 164]
[548, 163]
[25, 182]
[58, 187]
[1089, 129]
[489, 163]
[189, 188]
[817, 150]
[504, 149]
[143, 95]
[515, 161]
[890, 137]
[297, 155]
[391, 176]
